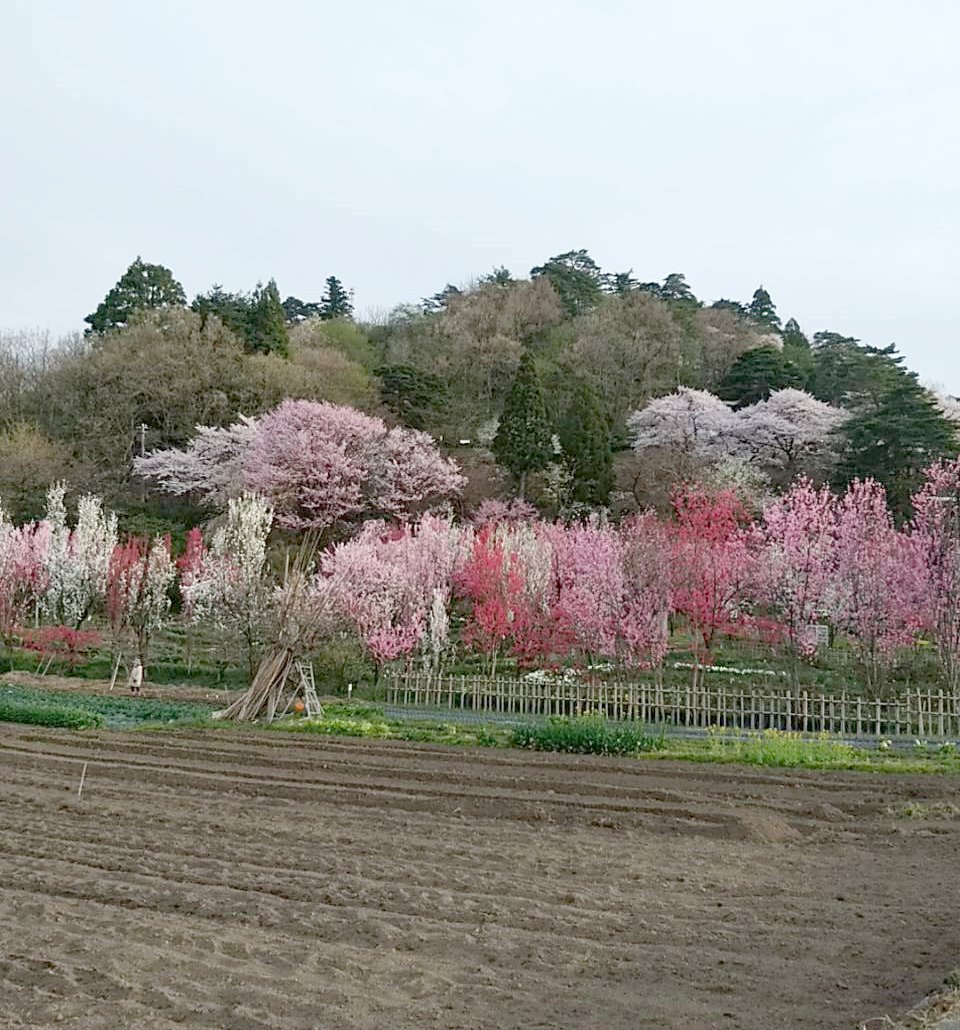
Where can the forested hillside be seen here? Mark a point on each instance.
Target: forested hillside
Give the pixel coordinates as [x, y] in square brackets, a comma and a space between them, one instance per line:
[572, 386]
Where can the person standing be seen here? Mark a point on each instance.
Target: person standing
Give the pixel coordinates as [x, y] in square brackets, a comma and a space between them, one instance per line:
[136, 677]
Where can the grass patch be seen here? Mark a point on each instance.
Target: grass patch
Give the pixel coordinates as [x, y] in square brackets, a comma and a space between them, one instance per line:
[585, 735]
[48, 715]
[113, 712]
[369, 722]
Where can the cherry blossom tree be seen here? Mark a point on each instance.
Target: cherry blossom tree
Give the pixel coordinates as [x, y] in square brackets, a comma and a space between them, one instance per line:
[713, 565]
[318, 464]
[693, 423]
[139, 579]
[22, 573]
[76, 562]
[869, 596]
[934, 540]
[790, 431]
[647, 579]
[797, 537]
[231, 586]
[210, 466]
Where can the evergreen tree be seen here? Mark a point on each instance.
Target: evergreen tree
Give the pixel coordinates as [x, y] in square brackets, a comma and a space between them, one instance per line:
[796, 347]
[896, 439]
[730, 305]
[619, 283]
[268, 324]
[439, 301]
[414, 396]
[297, 310]
[756, 374]
[142, 286]
[522, 443]
[763, 311]
[335, 303]
[676, 290]
[235, 310]
[500, 276]
[577, 279]
[586, 441]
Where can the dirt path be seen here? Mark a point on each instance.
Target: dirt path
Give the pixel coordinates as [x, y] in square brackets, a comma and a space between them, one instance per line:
[237, 881]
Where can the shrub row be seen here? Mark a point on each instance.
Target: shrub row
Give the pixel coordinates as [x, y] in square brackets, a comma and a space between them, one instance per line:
[48, 715]
[586, 735]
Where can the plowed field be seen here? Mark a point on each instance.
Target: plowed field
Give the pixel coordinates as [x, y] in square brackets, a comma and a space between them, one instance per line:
[246, 881]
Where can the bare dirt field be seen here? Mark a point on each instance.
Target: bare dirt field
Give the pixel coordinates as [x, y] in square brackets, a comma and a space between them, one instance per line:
[250, 881]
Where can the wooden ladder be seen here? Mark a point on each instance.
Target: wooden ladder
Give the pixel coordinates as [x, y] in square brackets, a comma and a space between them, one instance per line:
[309, 688]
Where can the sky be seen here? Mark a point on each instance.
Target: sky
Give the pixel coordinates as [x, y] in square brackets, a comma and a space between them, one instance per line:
[812, 147]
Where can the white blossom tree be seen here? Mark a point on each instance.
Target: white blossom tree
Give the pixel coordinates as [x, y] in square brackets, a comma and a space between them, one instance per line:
[77, 561]
[692, 422]
[231, 585]
[791, 432]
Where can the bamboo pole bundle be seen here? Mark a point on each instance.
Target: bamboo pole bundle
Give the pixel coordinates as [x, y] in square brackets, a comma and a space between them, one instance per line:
[301, 617]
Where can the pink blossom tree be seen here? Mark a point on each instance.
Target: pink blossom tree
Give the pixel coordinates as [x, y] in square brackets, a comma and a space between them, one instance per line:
[869, 596]
[648, 595]
[318, 464]
[713, 566]
[22, 575]
[139, 579]
[934, 544]
[797, 537]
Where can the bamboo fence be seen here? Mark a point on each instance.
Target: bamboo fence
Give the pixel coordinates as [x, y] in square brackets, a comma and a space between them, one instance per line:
[922, 714]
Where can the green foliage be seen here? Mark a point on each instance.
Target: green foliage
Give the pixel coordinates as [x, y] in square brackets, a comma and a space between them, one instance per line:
[268, 323]
[585, 438]
[756, 374]
[763, 311]
[114, 711]
[47, 715]
[141, 287]
[778, 748]
[894, 441]
[416, 397]
[522, 443]
[235, 310]
[335, 303]
[585, 735]
[796, 348]
[298, 310]
[576, 277]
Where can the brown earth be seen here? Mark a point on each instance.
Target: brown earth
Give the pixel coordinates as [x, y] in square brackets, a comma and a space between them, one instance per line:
[250, 881]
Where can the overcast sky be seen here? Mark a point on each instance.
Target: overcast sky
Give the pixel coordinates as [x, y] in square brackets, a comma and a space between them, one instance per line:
[400, 144]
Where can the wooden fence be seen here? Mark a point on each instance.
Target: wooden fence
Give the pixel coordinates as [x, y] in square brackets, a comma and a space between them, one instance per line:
[921, 714]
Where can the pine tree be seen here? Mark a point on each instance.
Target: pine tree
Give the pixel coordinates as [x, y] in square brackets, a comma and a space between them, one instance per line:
[522, 443]
[763, 311]
[268, 323]
[756, 374]
[577, 279]
[585, 438]
[796, 347]
[414, 396]
[894, 440]
[335, 303]
[142, 286]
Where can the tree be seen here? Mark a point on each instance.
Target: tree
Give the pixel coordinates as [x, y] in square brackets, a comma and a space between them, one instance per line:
[139, 578]
[335, 303]
[693, 423]
[414, 396]
[796, 348]
[619, 283]
[576, 277]
[896, 440]
[29, 462]
[230, 583]
[440, 301]
[763, 311]
[268, 323]
[798, 560]
[235, 310]
[585, 438]
[141, 287]
[76, 562]
[676, 290]
[22, 573]
[297, 310]
[934, 540]
[318, 464]
[733, 306]
[522, 443]
[790, 432]
[756, 374]
[869, 595]
[500, 276]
